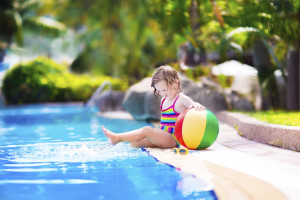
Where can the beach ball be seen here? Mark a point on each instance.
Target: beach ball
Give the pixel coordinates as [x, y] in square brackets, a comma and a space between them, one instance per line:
[196, 129]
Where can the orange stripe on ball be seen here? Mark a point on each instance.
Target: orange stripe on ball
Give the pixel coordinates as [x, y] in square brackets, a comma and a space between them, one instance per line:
[178, 127]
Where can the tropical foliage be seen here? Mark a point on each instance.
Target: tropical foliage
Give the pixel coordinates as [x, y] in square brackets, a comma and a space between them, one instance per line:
[127, 38]
[17, 15]
[118, 40]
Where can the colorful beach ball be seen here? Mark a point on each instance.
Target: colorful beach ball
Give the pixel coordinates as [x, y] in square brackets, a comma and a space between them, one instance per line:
[196, 129]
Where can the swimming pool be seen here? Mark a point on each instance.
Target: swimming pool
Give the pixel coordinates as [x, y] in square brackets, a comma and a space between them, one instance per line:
[59, 152]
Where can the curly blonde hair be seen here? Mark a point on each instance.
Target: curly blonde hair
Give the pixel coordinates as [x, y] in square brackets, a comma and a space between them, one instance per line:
[168, 74]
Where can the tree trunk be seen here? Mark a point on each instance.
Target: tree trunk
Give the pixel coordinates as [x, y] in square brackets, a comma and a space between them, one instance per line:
[265, 68]
[293, 80]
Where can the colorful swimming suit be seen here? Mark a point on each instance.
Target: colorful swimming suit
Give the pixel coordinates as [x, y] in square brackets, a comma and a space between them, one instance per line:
[168, 118]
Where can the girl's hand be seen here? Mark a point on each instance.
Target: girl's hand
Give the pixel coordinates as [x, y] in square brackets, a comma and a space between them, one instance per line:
[197, 106]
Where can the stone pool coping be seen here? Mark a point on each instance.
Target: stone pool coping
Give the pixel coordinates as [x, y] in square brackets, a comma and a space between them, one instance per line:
[227, 183]
[287, 137]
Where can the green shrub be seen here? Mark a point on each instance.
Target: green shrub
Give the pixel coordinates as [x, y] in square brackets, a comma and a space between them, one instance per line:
[43, 80]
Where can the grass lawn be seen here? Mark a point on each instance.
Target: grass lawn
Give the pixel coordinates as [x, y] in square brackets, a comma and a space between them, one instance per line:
[277, 117]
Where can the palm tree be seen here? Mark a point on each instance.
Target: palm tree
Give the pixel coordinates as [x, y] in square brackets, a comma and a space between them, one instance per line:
[17, 15]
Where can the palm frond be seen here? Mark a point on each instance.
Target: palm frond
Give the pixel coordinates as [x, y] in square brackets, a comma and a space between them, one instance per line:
[241, 30]
[28, 4]
[19, 28]
[236, 46]
[45, 25]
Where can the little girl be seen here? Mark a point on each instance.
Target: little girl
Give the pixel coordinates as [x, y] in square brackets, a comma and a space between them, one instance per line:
[166, 83]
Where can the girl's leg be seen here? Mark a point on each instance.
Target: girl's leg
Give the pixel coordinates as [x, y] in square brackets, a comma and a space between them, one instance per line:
[156, 136]
[143, 143]
[131, 136]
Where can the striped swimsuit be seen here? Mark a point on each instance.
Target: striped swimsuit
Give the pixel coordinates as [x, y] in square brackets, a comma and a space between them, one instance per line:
[168, 118]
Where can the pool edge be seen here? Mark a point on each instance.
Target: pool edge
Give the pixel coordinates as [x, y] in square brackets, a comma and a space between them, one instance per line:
[227, 183]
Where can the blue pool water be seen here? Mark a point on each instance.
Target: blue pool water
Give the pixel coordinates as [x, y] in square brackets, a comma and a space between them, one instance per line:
[59, 152]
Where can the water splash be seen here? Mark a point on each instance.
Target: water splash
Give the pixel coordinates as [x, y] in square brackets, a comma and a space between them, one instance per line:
[71, 152]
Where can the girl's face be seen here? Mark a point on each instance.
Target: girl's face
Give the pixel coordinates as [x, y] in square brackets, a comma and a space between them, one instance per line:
[165, 91]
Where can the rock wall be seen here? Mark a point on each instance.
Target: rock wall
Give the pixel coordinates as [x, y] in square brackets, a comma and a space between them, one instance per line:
[141, 103]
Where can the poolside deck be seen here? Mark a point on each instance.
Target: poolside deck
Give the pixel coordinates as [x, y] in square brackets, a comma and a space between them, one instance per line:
[241, 169]
[238, 168]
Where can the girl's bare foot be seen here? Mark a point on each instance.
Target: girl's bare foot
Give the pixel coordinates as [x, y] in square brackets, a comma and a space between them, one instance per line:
[113, 138]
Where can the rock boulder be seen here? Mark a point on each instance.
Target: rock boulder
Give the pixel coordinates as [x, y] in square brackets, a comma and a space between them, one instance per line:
[110, 101]
[141, 103]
